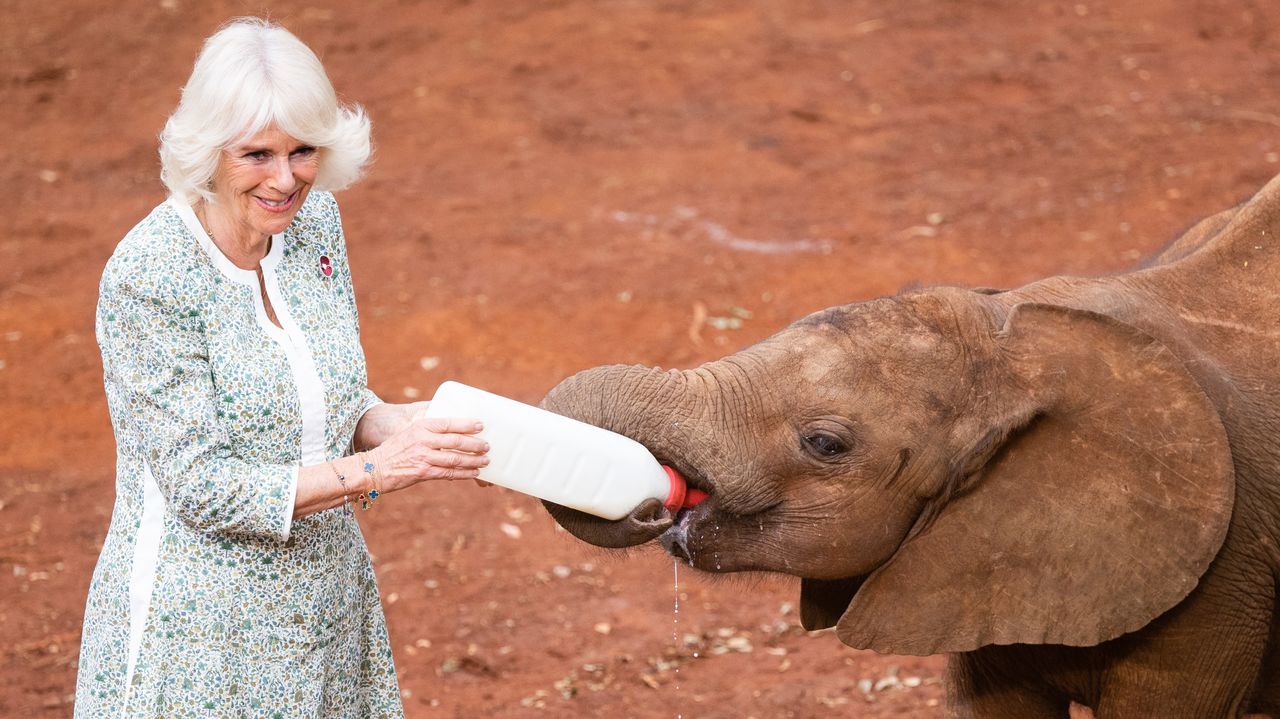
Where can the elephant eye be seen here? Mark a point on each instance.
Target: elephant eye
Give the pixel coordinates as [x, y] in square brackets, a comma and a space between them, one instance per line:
[825, 445]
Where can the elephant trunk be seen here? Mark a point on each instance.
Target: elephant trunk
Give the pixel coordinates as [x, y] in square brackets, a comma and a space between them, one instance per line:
[638, 402]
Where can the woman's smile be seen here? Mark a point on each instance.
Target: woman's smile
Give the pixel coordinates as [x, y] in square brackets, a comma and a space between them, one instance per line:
[281, 205]
[259, 185]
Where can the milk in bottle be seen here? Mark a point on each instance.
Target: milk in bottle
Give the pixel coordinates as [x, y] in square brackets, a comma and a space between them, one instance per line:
[562, 460]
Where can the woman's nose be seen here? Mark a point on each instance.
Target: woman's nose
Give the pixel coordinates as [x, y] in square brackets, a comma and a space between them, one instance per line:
[282, 177]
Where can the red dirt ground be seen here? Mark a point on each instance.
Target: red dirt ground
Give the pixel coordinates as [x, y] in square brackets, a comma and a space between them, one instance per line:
[565, 184]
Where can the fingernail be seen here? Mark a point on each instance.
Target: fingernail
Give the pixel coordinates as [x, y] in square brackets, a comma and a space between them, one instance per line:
[484, 462]
[486, 446]
[479, 426]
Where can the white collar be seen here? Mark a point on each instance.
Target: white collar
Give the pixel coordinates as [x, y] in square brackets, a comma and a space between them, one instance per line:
[219, 260]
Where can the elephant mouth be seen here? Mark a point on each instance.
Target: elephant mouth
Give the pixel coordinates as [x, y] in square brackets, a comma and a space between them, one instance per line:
[695, 529]
[709, 538]
[676, 537]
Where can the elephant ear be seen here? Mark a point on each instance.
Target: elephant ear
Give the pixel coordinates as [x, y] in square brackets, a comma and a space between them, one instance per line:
[1105, 498]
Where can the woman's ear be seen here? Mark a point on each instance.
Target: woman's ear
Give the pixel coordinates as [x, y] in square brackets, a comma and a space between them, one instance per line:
[1105, 497]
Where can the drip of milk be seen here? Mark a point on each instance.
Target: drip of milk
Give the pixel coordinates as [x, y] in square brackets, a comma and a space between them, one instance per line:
[675, 622]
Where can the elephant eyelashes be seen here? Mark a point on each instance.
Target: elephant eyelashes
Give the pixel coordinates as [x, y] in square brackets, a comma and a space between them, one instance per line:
[825, 445]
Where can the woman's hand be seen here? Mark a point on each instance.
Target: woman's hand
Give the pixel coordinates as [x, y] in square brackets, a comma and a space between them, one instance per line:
[415, 450]
[430, 448]
[382, 421]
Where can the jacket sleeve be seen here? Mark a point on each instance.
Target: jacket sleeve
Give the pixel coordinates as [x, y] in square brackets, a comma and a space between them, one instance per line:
[156, 364]
[369, 400]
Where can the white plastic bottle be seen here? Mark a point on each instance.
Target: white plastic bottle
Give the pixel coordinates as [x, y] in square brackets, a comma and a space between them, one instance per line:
[561, 460]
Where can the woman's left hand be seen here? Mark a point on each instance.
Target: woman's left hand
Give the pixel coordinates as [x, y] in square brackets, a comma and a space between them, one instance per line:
[382, 421]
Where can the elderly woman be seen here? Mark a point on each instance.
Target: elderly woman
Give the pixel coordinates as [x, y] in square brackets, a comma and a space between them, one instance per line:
[234, 580]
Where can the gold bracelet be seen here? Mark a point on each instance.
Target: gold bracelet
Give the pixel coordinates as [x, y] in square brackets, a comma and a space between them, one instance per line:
[367, 498]
[346, 498]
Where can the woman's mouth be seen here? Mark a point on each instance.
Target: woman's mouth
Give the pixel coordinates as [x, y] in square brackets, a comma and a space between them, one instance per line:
[280, 205]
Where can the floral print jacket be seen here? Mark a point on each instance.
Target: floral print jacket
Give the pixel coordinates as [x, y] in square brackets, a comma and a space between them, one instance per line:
[208, 599]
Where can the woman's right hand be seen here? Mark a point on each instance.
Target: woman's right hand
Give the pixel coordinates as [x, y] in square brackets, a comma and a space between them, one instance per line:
[431, 448]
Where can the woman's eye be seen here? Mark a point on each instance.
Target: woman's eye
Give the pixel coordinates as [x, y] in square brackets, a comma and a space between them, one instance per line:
[826, 445]
[305, 151]
[257, 155]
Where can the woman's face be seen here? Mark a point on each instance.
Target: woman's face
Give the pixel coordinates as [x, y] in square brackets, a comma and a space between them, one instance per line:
[261, 182]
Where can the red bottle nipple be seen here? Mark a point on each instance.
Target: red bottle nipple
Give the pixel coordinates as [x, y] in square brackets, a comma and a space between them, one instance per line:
[681, 496]
[693, 497]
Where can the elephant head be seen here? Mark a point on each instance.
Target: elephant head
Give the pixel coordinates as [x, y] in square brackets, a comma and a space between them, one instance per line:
[943, 470]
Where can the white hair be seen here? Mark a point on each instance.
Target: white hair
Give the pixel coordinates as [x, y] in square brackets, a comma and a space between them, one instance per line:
[249, 75]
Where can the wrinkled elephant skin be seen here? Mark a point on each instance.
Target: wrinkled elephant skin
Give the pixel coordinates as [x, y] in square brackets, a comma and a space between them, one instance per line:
[1072, 488]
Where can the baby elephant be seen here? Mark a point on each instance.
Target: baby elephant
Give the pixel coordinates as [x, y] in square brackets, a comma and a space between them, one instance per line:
[1072, 488]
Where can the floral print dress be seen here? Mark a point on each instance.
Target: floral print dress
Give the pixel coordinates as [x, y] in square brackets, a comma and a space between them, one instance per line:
[208, 599]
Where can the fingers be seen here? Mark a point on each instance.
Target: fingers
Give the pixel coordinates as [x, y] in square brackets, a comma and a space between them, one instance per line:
[438, 473]
[441, 448]
[450, 433]
[447, 425]
[448, 459]
[448, 466]
[451, 464]
[455, 443]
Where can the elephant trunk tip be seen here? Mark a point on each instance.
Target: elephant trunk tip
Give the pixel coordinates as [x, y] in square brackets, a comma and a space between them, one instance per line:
[676, 541]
